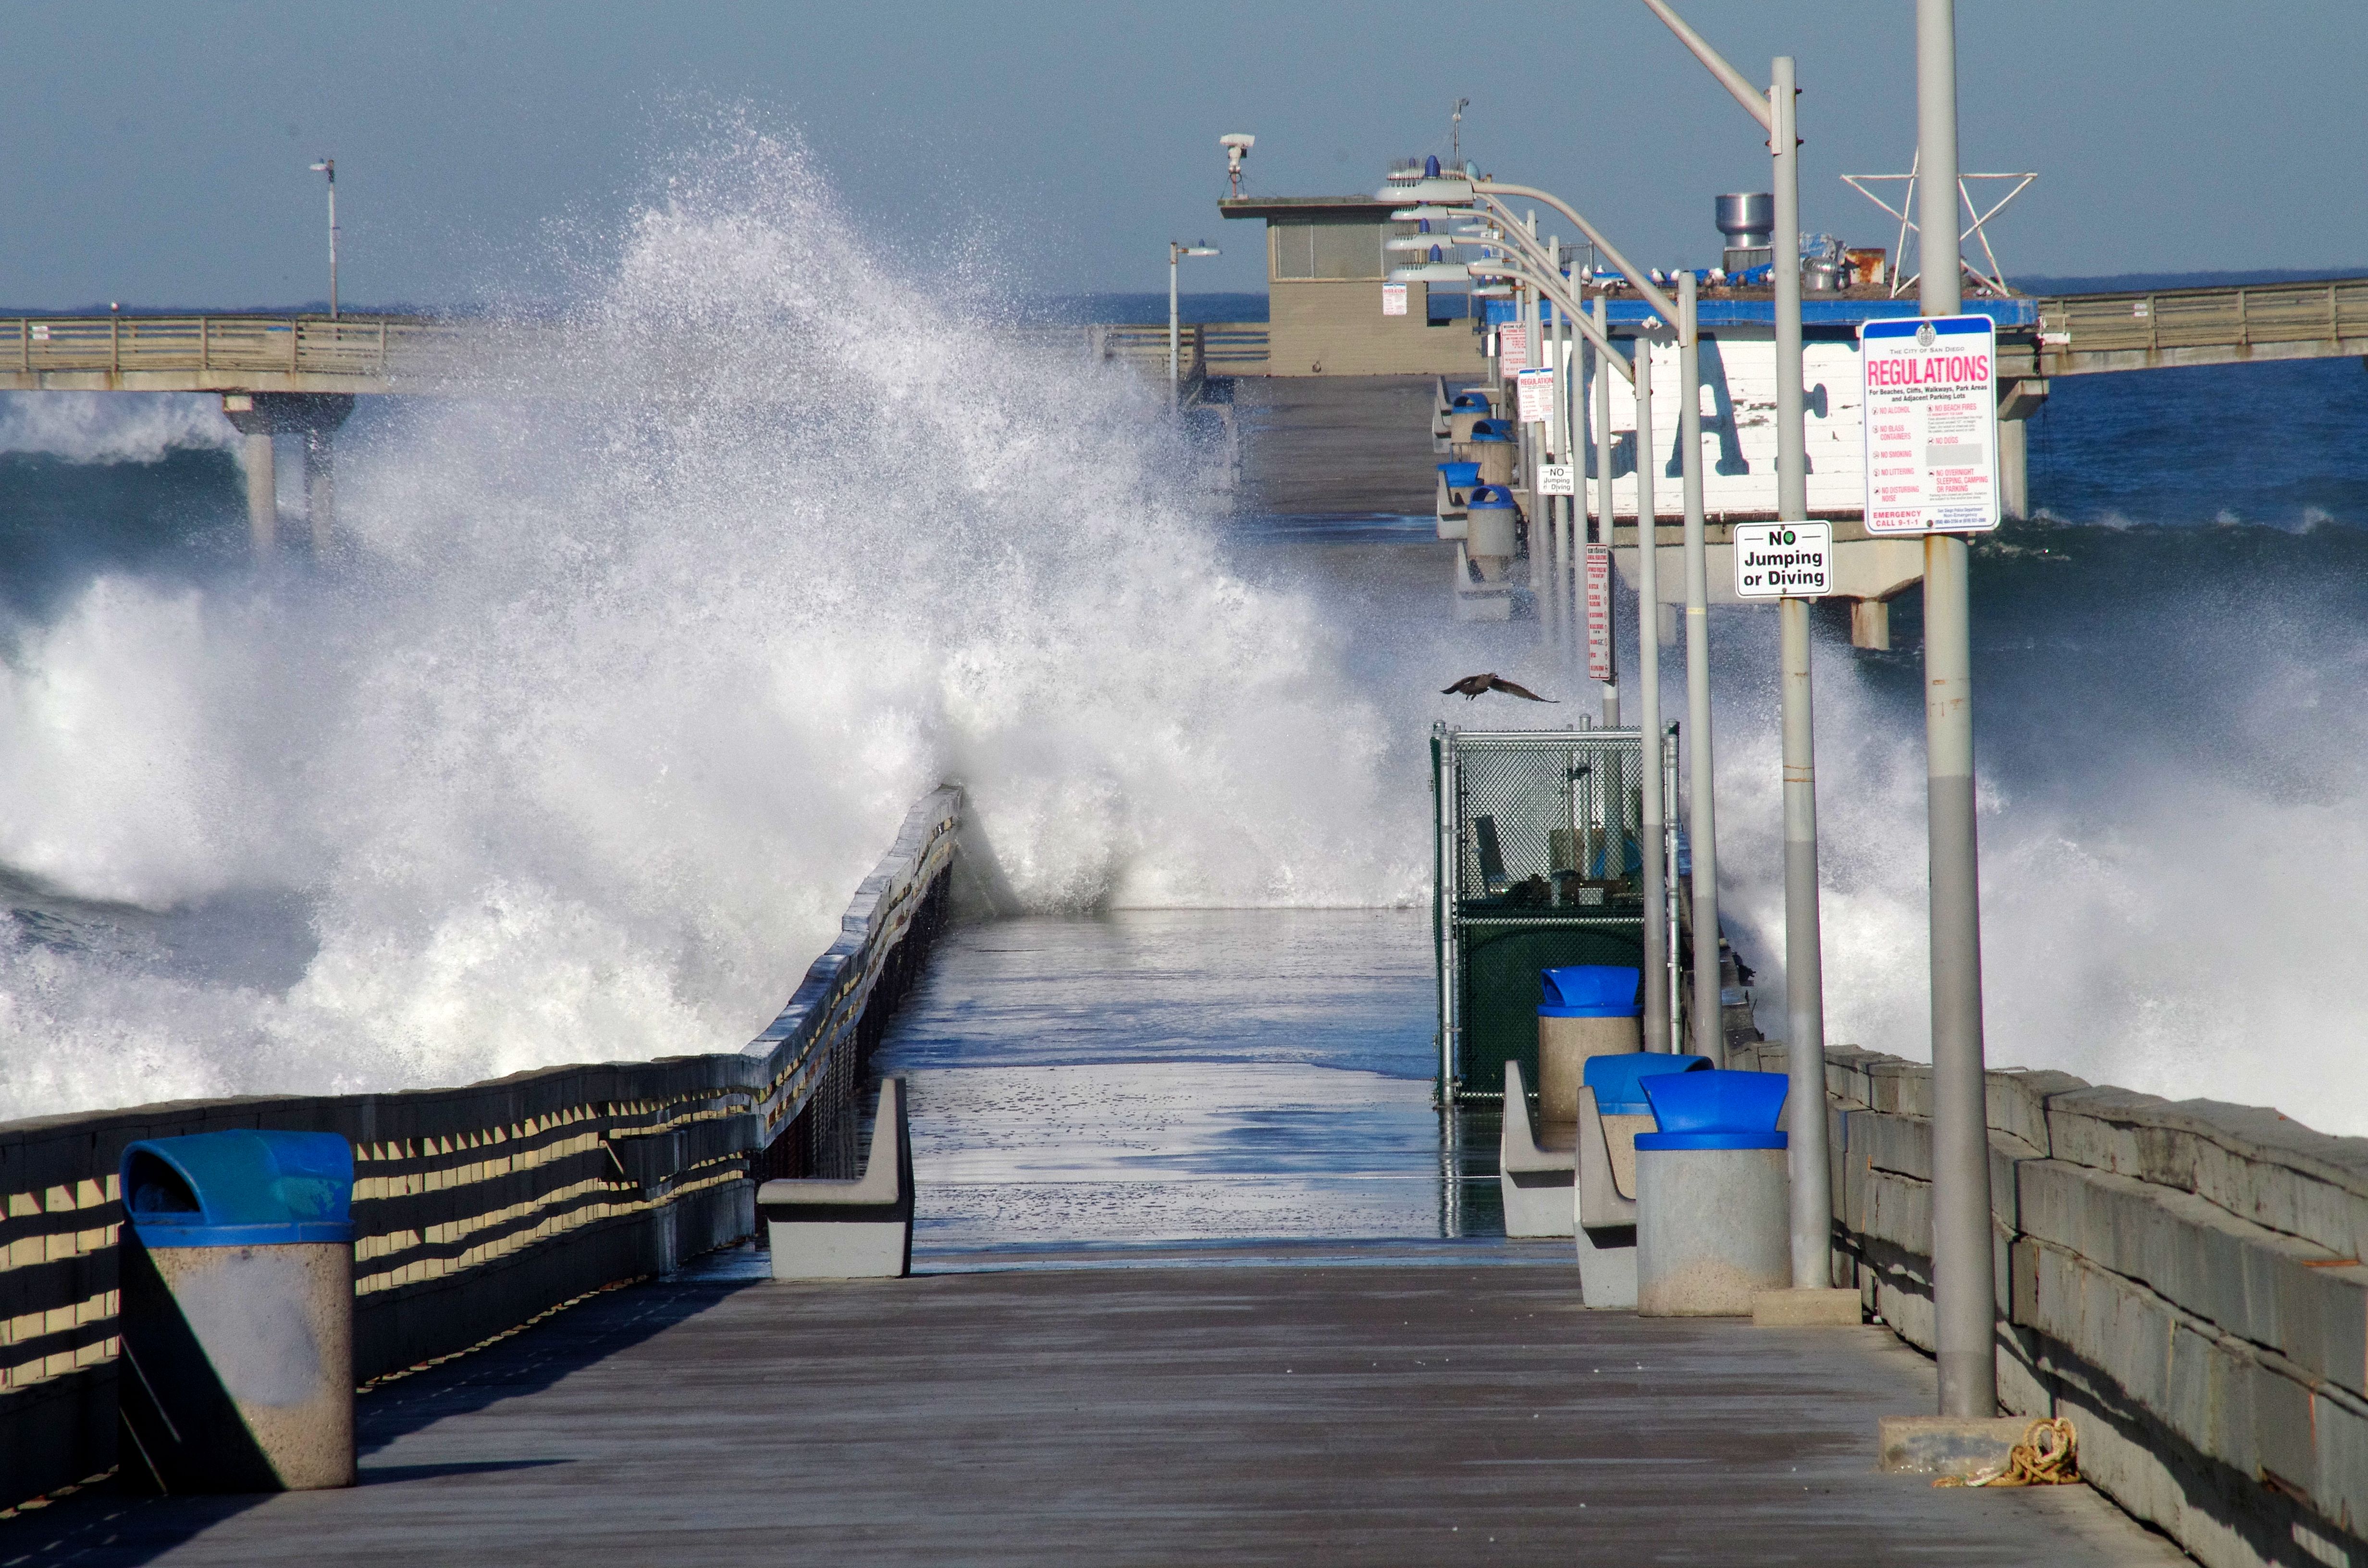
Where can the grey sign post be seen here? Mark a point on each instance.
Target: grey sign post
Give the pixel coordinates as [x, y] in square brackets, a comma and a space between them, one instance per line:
[1812, 1212]
[1963, 1292]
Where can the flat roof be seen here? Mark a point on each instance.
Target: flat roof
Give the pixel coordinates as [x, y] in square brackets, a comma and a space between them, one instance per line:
[1351, 207]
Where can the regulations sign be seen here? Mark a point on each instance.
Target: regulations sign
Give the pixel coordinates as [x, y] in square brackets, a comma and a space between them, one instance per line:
[1537, 394]
[1783, 560]
[1393, 299]
[1931, 425]
[1513, 350]
[1598, 612]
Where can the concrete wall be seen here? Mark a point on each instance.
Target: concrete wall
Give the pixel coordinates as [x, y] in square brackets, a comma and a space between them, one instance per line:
[2182, 1279]
[1335, 327]
[475, 1208]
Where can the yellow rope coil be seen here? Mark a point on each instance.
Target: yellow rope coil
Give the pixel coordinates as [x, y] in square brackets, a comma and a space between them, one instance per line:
[2045, 1456]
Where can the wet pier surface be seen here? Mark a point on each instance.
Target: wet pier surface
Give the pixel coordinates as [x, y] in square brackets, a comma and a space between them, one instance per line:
[1314, 1409]
[1201, 1274]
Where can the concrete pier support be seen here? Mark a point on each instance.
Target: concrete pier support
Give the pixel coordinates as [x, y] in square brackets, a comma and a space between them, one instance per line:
[254, 461]
[1870, 623]
[2017, 401]
[259, 416]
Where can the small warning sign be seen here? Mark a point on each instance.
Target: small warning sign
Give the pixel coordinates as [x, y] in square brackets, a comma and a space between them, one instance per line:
[1513, 350]
[1393, 299]
[1930, 409]
[1537, 385]
[1598, 612]
[1557, 479]
[1783, 560]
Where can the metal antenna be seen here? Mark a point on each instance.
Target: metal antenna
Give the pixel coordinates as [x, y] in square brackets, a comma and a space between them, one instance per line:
[1455, 134]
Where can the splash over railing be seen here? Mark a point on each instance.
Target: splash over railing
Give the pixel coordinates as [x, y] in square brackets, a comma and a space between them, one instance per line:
[474, 1208]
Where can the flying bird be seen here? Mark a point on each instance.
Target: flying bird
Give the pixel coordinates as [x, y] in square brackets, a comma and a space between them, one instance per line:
[1474, 685]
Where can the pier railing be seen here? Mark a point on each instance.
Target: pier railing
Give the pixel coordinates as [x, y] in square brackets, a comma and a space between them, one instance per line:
[474, 1208]
[208, 347]
[2182, 1279]
[2105, 331]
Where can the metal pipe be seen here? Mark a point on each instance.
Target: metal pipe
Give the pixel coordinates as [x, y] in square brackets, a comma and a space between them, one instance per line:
[1733, 81]
[1804, 982]
[1172, 337]
[1963, 1285]
[1603, 514]
[1654, 829]
[1642, 283]
[1533, 439]
[1709, 1037]
[1507, 267]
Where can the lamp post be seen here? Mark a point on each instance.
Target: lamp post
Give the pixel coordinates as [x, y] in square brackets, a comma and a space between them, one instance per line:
[1812, 1198]
[329, 166]
[1707, 1036]
[1176, 253]
[1963, 1297]
[1535, 267]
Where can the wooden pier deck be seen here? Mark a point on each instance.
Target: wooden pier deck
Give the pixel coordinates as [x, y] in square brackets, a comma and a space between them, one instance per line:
[1303, 1404]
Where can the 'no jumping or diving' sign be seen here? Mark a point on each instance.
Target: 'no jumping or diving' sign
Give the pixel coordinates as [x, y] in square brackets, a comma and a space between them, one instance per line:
[1931, 425]
[1783, 560]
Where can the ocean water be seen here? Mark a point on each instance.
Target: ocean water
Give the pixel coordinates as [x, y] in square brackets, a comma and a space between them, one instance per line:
[576, 744]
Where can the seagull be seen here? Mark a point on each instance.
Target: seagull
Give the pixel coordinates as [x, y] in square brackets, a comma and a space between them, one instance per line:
[1474, 685]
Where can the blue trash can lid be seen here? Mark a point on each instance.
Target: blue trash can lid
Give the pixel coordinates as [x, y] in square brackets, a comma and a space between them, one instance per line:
[1718, 1102]
[1461, 474]
[240, 1189]
[1467, 401]
[1490, 430]
[1617, 1080]
[1488, 496]
[1591, 991]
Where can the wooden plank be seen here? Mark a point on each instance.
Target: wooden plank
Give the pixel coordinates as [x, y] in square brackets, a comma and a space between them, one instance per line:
[1358, 1412]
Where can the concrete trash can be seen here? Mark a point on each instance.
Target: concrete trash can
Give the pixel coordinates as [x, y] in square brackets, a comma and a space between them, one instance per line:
[1584, 1010]
[237, 1312]
[1712, 1196]
[1492, 531]
[1492, 447]
[1465, 411]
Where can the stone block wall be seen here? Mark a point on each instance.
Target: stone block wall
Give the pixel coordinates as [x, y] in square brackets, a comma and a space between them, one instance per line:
[2182, 1279]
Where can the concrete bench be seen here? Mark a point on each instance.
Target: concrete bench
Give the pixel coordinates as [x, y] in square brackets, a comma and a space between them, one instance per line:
[850, 1229]
[1534, 1165]
[1612, 1112]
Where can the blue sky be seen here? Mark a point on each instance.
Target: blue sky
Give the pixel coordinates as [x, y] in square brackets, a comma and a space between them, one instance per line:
[156, 153]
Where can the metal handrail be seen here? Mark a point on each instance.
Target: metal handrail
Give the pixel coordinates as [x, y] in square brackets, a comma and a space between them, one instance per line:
[2231, 316]
[362, 346]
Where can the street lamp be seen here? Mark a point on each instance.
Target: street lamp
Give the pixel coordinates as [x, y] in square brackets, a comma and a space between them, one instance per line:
[1176, 253]
[1487, 198]
[329, 166]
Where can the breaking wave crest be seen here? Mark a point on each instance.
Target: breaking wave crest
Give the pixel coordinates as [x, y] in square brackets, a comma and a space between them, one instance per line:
[615, 688]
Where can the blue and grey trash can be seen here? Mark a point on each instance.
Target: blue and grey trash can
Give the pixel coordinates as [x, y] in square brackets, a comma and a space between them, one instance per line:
[1584, 1010]
[1713, 1199]
[238, 1313]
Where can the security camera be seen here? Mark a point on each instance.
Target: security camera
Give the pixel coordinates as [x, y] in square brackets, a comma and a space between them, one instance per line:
[1237, 147]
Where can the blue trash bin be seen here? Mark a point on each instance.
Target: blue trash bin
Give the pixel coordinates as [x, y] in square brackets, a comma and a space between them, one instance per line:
[1713, 1198]
[1584, 1011]
[237, 1312]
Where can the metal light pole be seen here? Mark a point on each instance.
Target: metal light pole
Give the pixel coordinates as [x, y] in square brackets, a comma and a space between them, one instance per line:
[1804, 964]
[329, 166]
[1963, 1288]
[1652, 825]
[1490, 195]
[1709, 1037]
[1175, 251]
[1812, 1180]
[1603, 495]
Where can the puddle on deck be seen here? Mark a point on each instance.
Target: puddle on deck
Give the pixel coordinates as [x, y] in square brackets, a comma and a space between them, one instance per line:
[1162, 1078]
